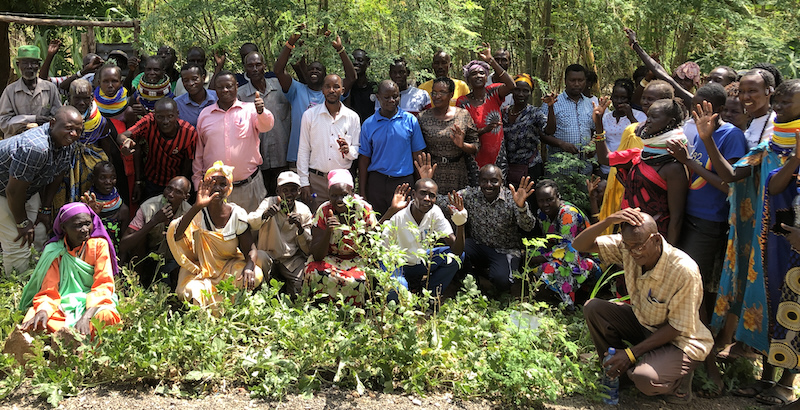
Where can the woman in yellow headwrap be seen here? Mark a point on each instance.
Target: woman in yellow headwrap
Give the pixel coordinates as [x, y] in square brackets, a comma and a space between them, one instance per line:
[212, 241]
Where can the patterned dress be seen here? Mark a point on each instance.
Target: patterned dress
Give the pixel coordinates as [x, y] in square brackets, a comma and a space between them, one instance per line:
[340, 271]
[487, 113]
[644, 187]
[566, 268]
[451, 175]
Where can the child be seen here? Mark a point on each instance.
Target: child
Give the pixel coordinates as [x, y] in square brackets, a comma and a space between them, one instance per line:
[104, 199]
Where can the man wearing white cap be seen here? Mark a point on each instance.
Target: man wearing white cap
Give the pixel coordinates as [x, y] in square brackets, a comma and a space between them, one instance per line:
[284, 230]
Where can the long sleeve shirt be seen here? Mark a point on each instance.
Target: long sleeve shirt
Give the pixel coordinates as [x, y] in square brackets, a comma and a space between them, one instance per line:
[230, 136]
[318, 148]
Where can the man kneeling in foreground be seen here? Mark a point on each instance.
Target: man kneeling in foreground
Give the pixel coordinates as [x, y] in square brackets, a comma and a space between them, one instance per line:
[662, 321]
[72, 283]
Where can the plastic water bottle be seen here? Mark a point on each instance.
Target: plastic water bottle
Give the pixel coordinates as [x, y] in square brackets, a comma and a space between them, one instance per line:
[611, 384]
[796, 207]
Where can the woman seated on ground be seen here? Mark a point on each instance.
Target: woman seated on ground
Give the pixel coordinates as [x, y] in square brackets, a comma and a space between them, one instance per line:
[334, 266]
[560, 266]
[73, 281]
[212, 242]
[654, 181]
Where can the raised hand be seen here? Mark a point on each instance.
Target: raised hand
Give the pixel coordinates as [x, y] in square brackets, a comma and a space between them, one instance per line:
[631, 36]
[220, 58]
[337, 44]
[128, 147]
[457, 136]
[706, 121]
[400, 199]
[93, 65]
[138, 108]
[632, 216]
[599, 109]
[204, 195]
[133, 64]
[423, 165]
[296, 36]
[550, 99]
[456, 201]
[89, 198]
[592, 184]
[332, 221]
[259, 103]
[486, 53]
[272, 210]
[53, 47]
[525, 190]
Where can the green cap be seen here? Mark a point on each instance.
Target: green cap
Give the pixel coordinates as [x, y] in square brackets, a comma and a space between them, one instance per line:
[24, 52]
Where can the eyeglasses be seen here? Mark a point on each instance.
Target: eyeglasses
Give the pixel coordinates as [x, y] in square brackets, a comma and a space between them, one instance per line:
[638, 249]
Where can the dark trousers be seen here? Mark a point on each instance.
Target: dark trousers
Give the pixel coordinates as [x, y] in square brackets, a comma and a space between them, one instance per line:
[658, 371]
[705, 242]
[380, 189]
[500, 265]
[416, 278]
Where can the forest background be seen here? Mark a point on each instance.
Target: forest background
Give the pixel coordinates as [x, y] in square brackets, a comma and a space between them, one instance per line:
[544, 36]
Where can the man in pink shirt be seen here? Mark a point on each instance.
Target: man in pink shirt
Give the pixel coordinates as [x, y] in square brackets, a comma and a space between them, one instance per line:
[228, 132]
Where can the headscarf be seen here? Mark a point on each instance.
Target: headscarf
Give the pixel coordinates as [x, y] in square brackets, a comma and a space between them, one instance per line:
[220, 168]
[340, 176]
[98, 230]
[689, 70]
[525, 78]
[474, 65]
[657, 146]
[783, 139]
[94, 124]
[147, 94]
[111, 106]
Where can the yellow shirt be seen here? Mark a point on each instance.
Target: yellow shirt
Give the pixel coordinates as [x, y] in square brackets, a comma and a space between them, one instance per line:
[461, 89]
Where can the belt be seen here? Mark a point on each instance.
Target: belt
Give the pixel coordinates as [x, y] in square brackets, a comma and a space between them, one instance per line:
[444, 160]
[316, 172]
[246, 180]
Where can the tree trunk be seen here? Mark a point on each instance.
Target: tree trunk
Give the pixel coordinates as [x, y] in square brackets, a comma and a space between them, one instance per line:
[587, 54]
[5, 58]
[547, 46]
[682, 47]
[527, 44]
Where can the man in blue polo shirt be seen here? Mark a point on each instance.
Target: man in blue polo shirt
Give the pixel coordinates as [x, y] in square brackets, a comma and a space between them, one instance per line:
[196, 97]
[390, 140]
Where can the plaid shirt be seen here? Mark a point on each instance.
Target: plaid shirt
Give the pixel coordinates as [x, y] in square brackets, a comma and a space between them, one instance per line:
[31, 157]
[670, 293]
[574, 122]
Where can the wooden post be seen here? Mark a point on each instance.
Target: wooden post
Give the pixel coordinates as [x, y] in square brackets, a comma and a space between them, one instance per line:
[88, 43]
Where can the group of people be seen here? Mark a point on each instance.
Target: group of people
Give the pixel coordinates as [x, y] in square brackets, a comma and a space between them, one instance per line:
[258, 174]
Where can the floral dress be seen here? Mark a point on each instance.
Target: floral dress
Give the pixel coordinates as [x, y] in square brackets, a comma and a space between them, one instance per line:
[566, 268]
[487, 113]
[340, 271]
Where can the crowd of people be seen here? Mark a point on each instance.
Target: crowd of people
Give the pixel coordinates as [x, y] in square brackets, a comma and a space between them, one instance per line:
[257, 174]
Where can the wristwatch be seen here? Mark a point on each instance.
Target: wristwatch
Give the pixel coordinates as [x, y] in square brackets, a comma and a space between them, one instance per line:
[24, 224]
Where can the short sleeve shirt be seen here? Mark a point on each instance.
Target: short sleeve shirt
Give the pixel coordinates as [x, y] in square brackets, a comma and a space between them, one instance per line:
[433, 223]
[389, 143]
[31, 157]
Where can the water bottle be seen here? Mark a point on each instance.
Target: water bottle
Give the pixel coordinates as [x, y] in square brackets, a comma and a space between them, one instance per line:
[611, 384]
[796, 207]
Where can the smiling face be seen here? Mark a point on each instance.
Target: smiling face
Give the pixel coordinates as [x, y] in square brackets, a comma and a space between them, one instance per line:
[522, 93]
[441, 64]
[316, 73]
[549, 201]
[337, 193]
[104, 179]
[66, 127]
[28, 68]
[440, 95]
[754, 94]
[388, 97]
[153, 70]
[477, 77]
[490, 181]
[787, 106]
[289, 193]
[226, 90]
[360, 62]
[77, 229]
[619, 97]
[192, 79]
[110, 81]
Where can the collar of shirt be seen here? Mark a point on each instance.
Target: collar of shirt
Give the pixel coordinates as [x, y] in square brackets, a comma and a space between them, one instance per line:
[565, 97]
[236, 104]
[204, 103]
[396, 115]
[38, 88]
[660, 268]
[504, 196]
[251, 89]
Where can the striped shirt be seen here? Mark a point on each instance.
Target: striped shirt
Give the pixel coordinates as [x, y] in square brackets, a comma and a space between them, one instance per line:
[31, 157]
[164, 155]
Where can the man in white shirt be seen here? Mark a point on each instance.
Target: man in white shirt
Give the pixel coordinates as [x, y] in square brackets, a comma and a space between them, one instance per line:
[329, 139]
[431, 227]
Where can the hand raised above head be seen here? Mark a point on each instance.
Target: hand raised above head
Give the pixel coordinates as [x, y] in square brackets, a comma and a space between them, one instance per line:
[706, 120]
[423, 165]
[550, 99]
[401, 197]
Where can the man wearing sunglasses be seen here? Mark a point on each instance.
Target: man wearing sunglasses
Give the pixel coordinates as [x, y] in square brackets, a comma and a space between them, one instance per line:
[658, 336]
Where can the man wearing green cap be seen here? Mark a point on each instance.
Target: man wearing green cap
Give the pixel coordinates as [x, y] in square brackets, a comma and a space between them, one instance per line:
[28, 101]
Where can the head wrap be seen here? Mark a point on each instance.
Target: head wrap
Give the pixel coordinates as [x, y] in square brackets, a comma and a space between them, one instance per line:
[474, 65]
[689, 70]
[340, 176]
[525, 78]
[111, 106]
[94, 124]
[657, 146]
[783, 139]
[226, 170]
[98, 230]
[147, 94]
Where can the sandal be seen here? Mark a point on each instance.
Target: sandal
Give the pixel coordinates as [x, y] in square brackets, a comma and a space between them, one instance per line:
[777, 395]
[754, 389]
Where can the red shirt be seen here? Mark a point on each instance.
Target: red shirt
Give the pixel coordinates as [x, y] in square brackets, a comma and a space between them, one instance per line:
[164, 156]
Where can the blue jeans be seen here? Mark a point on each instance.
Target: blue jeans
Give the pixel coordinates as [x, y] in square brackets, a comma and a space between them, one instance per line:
[442, 272]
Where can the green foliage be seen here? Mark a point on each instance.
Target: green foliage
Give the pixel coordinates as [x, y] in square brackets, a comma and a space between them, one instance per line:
[567, 171]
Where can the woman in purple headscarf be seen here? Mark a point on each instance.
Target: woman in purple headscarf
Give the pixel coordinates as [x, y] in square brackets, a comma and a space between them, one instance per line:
[74, 279]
